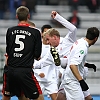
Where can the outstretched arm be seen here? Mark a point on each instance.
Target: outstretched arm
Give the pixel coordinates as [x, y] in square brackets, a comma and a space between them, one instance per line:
[44, 62]
[71, 35]
[63, 21]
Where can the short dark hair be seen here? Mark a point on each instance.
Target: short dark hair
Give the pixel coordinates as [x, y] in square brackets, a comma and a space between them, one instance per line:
[45, 26]
[22, 13]
[92, 33]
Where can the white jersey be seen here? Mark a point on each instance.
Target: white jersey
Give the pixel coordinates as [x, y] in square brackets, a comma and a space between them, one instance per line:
[77, 57]
[65, 43]
[63, 48]
[46, 70]
[45, 49]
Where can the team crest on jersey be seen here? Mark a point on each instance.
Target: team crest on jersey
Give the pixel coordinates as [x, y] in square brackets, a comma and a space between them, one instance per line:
[81, 51]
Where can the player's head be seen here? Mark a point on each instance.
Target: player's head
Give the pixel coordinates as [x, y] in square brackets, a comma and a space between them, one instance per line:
[92, 34]
[45, 27]
[31, 23]
[52, 37]
[22, 13]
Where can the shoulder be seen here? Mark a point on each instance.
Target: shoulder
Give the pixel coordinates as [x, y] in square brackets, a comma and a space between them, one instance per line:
[35, 29]
[12, 27]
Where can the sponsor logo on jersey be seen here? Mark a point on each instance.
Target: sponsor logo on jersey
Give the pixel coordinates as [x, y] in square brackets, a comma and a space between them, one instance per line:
[81, 51]
[35, 93]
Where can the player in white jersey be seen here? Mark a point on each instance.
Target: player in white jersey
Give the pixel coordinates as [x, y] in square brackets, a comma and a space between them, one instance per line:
[47, 75]
[61, 93]
[68, 45]
[62, 43]
[73, 80]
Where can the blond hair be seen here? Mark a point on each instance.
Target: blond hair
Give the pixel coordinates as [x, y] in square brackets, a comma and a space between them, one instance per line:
[31, 23]
[51, 32]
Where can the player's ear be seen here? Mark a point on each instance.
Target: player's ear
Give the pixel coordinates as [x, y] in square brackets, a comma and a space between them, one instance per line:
[28, 16]
[96, 38]
[55, 37]
[16, 16]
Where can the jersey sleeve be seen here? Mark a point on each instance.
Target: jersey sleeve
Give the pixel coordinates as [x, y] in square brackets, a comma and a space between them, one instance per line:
[44, 62]
[78, 56]
[38, 45]
[71, 36]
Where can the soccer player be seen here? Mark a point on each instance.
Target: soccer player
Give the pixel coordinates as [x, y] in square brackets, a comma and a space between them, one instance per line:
[53, 38]
[73, 82]
[87, 96]
[31, 24]
[65, 49]
[45, 76]
[23, 45]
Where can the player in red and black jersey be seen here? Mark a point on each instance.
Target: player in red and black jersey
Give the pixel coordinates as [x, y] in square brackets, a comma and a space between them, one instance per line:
[23, 45]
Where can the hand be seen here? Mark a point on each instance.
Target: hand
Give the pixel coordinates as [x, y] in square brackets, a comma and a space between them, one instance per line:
[83, 85]
[53, 14]
[91, 66]
[42, 75]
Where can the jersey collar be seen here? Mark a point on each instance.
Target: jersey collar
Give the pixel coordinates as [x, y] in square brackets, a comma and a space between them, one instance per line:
[24, 24]
[86, 43]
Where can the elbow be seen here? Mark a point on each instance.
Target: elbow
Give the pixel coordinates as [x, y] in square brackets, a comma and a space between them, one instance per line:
[71, 66]
[74, 29]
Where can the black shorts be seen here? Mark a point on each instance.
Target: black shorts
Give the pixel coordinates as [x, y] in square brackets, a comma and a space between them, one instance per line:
[22, 81]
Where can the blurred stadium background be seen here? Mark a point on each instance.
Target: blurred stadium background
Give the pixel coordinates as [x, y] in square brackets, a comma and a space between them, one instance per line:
[43, 17]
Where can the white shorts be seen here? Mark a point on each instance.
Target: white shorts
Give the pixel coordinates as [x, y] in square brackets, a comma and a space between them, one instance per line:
[49, 87]
[73, 91]
[61, 88]
[86, 93]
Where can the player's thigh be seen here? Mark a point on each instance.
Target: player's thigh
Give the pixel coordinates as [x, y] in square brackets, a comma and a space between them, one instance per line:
[5, 97]
[41, 97]
[61, 96]
[86, 93]
[73, 91]
[52, 89]
[61, 93]
[89, 97]
[53, 96]
[23, 98]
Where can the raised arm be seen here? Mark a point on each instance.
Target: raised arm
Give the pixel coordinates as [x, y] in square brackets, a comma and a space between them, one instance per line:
[71, 35]
[63, 21]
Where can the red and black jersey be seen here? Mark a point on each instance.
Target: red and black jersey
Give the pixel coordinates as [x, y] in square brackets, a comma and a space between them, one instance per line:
[23, 44]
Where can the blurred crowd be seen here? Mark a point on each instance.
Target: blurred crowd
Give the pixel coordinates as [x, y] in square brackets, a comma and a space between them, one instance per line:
[8, 7]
